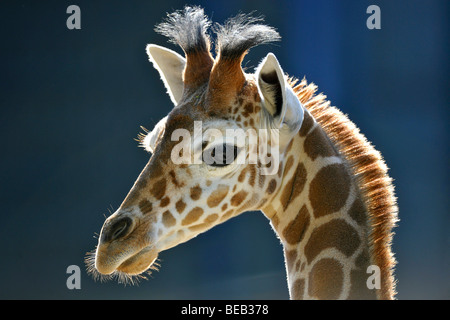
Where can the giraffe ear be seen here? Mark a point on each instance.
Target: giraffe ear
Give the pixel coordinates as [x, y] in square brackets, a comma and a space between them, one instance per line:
[151, 139]
[170, 66]
[280, 101]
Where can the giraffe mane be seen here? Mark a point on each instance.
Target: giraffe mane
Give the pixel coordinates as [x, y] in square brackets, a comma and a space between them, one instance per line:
[370, 172]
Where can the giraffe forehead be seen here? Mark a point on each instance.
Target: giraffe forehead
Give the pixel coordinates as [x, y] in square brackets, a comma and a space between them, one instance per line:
[197, 108]
[204, 126]
[183, 117]
[202, 106]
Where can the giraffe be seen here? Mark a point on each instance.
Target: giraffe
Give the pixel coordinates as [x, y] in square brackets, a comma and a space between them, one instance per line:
[330, 201]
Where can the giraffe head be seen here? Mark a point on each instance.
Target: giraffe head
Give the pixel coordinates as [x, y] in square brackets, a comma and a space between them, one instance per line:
[202, 171]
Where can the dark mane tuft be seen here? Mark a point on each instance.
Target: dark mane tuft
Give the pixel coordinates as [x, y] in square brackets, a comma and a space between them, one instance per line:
[241, 33]
[187, 28]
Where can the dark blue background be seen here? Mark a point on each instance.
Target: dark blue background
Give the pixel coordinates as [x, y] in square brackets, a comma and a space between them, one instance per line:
[73, 100]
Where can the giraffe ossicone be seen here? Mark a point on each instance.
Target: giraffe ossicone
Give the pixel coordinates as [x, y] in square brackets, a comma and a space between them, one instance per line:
[254, 142]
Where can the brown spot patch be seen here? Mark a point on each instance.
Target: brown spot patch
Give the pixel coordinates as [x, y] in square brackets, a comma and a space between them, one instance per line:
[269, 211]
[317, 144]
[192, 216]
[131, 197]
[145, 206]
[227, 215]
[295, 230]
[280, 169]
[164, 202]
[289, 163]
[256, 97]
[248, 108]
[298, 289]
[251, 180]
[159, 189]
[275, 220]
[216, 197]
[180, 205]
[289, 146]
[238, 198]
[242, 174]
[333, 234]
[199, 227]
[196, 192]
[329, 189]
[363, 260]
[174, 179]
[153, 170]
[262, 179]
[207, 223]
[290, 256]
[358, 211]
[307, 124]
[211, 218]
[272, 186]
[359, 289]
[168, 219]
[295, 186]
[358, 279]
[326, 279]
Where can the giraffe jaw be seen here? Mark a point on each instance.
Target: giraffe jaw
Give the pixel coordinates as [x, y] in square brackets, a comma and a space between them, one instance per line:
[139, 262]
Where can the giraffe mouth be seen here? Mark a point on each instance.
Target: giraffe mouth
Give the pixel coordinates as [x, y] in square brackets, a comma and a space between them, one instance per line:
[139, 262]
[104, 265]
[130, 271]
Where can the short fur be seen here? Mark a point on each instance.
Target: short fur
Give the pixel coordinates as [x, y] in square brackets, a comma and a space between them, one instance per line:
[370, 173]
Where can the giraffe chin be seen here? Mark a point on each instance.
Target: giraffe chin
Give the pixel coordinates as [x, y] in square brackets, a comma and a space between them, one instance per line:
[139, 262]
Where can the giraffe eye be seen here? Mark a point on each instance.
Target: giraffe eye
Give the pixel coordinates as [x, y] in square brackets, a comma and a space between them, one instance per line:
[220, 155]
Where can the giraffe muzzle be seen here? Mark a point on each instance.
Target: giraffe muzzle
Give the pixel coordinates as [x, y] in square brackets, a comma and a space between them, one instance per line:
[121, 247]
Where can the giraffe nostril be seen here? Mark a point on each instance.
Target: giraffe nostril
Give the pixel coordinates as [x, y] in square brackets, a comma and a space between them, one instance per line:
[118, 229]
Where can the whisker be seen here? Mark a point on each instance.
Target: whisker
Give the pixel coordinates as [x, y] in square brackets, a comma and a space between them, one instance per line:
[120, 277]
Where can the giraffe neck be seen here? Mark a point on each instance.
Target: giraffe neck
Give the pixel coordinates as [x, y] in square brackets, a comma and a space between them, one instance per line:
[321, 220]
